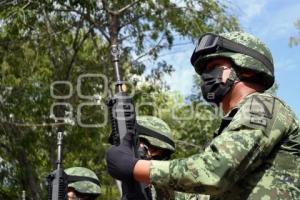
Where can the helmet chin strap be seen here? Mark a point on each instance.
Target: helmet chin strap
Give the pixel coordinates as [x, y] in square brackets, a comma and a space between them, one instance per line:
[233, 75]
[233, 78]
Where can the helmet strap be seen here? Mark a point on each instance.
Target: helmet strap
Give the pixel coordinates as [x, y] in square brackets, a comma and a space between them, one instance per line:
[233, 76]
[73, 179]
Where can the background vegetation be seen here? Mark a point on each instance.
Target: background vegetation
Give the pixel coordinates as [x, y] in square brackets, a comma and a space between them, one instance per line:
[55, 40]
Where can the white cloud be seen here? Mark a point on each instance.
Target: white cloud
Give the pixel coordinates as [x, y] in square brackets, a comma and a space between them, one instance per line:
[282, 24]
[182, 79]
[286, 64]
[269, 19]
[247, 10]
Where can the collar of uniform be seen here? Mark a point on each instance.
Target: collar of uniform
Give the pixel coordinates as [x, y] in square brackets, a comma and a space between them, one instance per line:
[228, 117]
[240, 104]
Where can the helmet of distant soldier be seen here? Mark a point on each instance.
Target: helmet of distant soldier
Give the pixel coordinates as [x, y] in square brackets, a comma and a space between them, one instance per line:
[262, 74]
[161, 128]
[84, 186]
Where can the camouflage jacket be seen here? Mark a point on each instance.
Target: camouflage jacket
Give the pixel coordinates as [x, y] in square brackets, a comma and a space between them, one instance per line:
[256, 155]
[160, 193]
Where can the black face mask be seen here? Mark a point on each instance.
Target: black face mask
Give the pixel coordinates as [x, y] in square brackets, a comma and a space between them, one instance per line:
[213, 89]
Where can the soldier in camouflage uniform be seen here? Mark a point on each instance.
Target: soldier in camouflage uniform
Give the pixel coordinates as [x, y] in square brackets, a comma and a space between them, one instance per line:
[155, 138]
[159, 146]
[84, 184]
[156, 143]
[255, 154]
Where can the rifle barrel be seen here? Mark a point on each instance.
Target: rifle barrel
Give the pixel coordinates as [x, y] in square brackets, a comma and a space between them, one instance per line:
[115, 58]
[59, 149]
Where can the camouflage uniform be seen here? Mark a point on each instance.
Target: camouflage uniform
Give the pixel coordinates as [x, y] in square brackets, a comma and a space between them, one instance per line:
[84, 186]
[255, 154]
[158, 125]
[190, 196]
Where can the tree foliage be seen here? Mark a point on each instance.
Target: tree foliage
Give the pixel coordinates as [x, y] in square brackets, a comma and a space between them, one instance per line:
[294, 40]
[46, 42]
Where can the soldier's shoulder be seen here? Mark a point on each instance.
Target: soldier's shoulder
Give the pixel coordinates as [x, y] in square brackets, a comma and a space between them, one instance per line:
[260, 111]
[264, 104]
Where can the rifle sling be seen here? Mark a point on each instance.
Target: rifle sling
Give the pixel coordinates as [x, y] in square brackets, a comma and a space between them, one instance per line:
[226, 121]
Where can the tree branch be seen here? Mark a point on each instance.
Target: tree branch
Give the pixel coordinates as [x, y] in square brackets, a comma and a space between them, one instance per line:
[151, 49]
[122, 10]
[100, 57]
[8, 150]
[76, 49]
[106, 36]
[106, 8]
[35, 125]
[49, 32]
[130, 21]
[26, 5]
[99, 24]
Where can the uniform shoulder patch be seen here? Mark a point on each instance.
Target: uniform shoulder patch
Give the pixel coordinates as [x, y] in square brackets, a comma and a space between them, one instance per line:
[257, 112]
[261, 110]
[258, 120]
[262, 106]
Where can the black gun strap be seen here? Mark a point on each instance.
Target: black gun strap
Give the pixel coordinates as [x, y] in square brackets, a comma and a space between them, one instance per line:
[226, 121]
[148, 132]
[73, 179]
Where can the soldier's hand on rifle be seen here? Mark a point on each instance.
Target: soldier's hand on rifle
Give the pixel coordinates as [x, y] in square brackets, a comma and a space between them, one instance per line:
[121, 160]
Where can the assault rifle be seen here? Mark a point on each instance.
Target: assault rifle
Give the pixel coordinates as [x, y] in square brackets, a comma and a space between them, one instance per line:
[57, 180]
[123, 120]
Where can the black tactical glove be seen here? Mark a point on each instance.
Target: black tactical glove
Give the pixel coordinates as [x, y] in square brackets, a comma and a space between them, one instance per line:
[121, 160]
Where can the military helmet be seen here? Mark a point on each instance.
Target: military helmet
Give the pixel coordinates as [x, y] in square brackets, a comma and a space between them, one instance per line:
[156, 132]
[89, 186]
[264, 74]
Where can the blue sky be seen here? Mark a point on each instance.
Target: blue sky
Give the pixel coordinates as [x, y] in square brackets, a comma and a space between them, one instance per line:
[273, 22]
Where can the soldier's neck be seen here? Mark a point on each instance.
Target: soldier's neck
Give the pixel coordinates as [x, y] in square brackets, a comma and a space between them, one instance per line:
[236, 94]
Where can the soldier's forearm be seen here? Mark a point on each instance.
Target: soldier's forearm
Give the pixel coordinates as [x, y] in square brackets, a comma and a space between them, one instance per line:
[141, 171]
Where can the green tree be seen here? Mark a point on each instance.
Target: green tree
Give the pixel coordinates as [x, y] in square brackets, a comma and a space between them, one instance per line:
[52, 40]
[294, 40]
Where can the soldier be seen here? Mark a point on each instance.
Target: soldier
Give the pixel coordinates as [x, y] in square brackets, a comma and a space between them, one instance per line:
[255, 154]
[156, 138]
[84, 184]
[157, 143]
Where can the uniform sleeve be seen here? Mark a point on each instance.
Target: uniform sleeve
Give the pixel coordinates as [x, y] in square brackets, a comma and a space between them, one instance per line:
[249, 138]
[190, 196]
[162, 193]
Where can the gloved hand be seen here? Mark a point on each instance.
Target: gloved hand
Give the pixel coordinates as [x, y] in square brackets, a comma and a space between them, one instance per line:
[121, 160]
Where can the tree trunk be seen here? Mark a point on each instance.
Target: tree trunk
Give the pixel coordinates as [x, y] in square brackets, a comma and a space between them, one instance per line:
[29, 176]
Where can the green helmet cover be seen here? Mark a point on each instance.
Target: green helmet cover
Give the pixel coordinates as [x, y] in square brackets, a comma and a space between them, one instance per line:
[159, 126]
[264, 76]
[86, 187]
